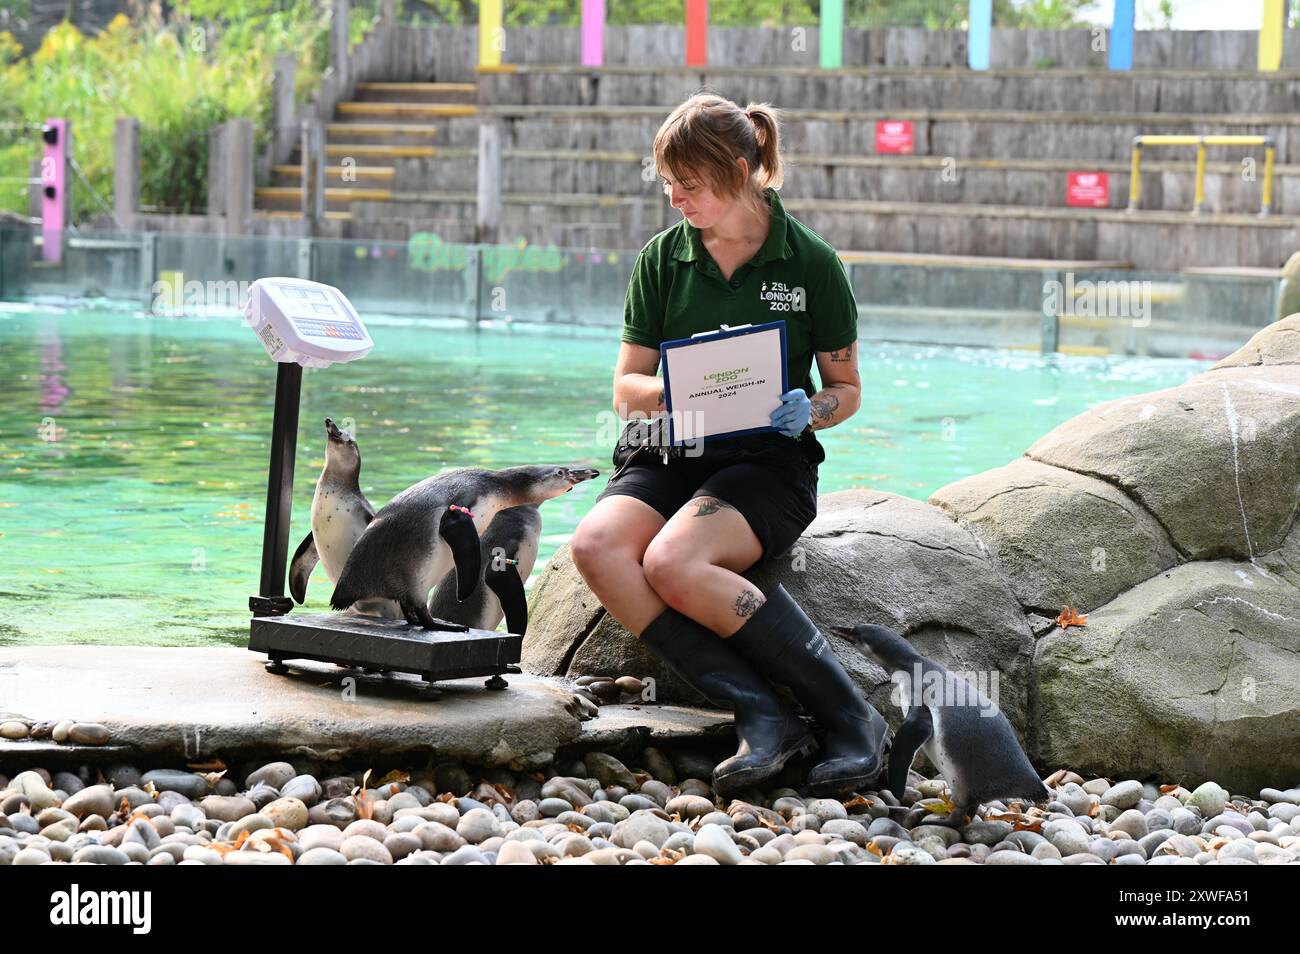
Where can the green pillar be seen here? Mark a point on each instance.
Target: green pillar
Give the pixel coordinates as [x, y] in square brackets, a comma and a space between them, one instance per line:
[832, 34]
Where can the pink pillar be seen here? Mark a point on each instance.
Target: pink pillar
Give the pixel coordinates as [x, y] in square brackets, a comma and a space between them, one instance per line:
[54, 185]
[593, 32]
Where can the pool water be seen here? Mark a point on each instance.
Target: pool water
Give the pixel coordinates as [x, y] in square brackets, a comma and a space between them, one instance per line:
[133, 449]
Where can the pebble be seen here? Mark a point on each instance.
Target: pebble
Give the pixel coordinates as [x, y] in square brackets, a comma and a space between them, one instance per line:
[1123, 795]
[604, 810]
[88, 733]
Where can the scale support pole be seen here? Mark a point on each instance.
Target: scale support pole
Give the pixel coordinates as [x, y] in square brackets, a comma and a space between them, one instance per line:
[279, 492]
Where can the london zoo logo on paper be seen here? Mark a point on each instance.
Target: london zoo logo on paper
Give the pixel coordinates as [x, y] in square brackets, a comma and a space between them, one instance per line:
[780, 297]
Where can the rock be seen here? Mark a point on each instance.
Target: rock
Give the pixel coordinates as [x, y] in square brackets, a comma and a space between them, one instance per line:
[362, 847]
[61, 729]
[641, 826]
[93, 800]
[609, 770]
[1011, 858]
[986, 832]
[1278, 343]
[909, 854]
[689, 806]
[88, 733]
[321, 855]
[227, 808]
[1218, 426]
[274, 774]
[1132, 822]
[14, 730]
[32, 784]
[169, 780]
[478, 825]
[305, 788]
[288, 813]
[715, 842]
[1210, 798]
[1123, 795]
[1068, 837]
[1060, 538]
[515, 853]
[1157, 658]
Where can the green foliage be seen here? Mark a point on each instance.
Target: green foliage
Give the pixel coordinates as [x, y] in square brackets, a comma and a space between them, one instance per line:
[209, 61]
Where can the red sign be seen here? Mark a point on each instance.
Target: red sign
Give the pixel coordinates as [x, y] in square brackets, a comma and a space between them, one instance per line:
[895, 135]
[1091, 189]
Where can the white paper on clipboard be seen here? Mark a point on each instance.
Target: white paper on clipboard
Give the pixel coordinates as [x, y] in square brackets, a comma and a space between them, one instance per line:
[724, 383]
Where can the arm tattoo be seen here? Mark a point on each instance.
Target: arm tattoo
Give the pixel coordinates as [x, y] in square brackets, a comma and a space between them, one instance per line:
[661, 398]
[824, 407]
[844, 354]
[746, 603]
[707, 505]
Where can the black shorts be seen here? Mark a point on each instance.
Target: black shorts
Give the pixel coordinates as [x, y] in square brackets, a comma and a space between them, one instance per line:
[770, 478]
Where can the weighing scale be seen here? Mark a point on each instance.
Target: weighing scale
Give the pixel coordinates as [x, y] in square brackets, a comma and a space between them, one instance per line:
[305, 324]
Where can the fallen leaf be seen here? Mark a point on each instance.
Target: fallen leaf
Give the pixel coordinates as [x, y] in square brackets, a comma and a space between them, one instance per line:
[1070, 617]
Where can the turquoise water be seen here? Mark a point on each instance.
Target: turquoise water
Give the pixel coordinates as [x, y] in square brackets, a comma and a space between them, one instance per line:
[133, 449]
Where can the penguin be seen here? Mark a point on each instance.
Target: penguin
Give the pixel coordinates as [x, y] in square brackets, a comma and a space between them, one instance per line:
[340, 513]
[434, 525]
[963, 734]
[509, 548]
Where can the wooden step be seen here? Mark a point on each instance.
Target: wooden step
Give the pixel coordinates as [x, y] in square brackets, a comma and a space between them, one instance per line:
[381, 129]
[376, 150]
[355, 108]
[290, 214]
[334, 194]
[419, 87]
[361, 172]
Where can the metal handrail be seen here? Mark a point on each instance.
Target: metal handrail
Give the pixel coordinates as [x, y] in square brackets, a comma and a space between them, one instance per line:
[1200, 142]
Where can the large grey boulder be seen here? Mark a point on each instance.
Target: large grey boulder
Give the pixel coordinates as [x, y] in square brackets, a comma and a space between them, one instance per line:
[1190, 675]
[1058, 537]
[1214, 460]
[1279, 343]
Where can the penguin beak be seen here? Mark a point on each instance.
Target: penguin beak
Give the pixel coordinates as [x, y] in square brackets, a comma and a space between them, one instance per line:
[845, 632]
[578, 475]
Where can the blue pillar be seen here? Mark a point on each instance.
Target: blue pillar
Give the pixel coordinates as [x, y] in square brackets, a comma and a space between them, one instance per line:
[1121, 36]
[978, 36]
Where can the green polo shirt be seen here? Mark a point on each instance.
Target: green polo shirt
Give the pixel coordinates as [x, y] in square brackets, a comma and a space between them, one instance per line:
[677, 290]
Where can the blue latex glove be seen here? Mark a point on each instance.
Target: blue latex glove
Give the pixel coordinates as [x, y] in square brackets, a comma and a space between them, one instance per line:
[794, 413]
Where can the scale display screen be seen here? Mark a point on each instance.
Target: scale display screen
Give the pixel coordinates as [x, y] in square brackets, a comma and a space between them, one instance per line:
[306, 322]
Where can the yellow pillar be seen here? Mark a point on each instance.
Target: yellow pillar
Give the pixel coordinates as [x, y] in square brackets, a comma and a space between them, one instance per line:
[1270, 36]
[491, 35]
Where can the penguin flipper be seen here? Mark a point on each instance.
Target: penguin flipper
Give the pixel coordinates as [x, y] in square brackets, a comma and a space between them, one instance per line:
[457, 528]
[305, 559]
[911, 735]
[509, 589]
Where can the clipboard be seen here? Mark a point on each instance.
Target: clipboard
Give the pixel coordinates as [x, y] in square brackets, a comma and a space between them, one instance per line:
[711, 346]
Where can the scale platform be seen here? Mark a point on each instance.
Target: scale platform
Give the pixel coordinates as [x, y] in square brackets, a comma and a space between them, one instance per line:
[386, 644]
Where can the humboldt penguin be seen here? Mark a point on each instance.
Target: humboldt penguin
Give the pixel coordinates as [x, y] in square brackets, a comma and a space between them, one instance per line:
[419, 535]
[963, 734]
[509, 548]
[340, 513]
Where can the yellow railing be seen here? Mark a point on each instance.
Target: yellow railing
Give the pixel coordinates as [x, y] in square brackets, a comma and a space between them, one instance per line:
[1200, 142]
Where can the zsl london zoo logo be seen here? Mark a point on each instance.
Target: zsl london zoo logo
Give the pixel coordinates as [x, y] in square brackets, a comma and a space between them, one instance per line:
[781, 298]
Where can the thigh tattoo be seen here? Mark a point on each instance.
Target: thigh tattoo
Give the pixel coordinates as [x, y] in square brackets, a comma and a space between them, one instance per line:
[707, 505]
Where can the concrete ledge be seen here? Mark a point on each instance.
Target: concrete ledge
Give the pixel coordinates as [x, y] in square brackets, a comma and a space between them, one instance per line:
[194, 703]
[169, 704]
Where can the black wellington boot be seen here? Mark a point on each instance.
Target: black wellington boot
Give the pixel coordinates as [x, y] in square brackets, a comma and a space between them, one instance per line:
[769, 731]
[783, 644]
